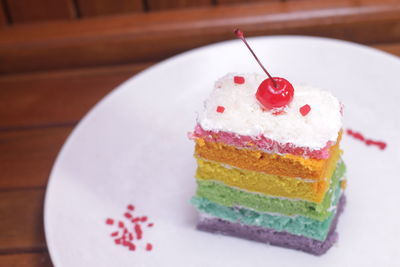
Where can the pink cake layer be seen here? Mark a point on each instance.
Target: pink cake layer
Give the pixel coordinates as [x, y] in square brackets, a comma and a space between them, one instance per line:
[261, 142]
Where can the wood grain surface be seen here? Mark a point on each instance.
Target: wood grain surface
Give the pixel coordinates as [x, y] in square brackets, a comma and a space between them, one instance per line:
[54, 98]
[91, 8]
[39, 108]
[174, 4]
[241, 2]
[24, 11]
[21, 225]
[393, 49]
[40, 259]
[33, 148]
[3, 18]
[126, 39]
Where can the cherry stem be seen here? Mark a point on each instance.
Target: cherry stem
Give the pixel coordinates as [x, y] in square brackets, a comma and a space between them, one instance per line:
[239, 34]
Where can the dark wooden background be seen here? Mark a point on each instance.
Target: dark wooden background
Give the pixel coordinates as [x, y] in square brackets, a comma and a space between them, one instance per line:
[59, 57]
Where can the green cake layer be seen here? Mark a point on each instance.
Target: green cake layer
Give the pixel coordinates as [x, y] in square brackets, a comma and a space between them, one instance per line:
[228, 196]
[297, 225]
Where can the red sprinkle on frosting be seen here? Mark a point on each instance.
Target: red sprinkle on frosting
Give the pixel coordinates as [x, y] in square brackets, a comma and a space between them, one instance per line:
[220, 109]
[276, 112]
[127, 215]
[304, 110]
[149, 247]
[238, 79]
[131, 207]
[110, 221]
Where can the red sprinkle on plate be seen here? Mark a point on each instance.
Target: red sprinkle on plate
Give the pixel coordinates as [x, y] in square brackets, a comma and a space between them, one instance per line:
[114, 234]
[129, 229]
[359, 136]
[138, 231]
[220, 109]
[110, 221]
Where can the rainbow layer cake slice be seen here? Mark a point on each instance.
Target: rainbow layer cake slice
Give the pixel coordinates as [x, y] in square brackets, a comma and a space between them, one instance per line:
[270, 169]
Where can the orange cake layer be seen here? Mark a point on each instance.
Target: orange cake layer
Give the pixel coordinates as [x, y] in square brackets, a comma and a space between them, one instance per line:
[267, 184]
[255, 160]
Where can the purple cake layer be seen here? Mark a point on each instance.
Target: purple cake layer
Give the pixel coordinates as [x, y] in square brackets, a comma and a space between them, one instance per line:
[270, 236]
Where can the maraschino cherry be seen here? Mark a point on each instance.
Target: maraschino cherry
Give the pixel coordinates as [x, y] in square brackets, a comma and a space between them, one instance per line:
[274, 92]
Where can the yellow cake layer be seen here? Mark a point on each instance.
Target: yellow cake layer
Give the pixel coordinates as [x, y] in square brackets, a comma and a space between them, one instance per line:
[256, 160]
[271, 185]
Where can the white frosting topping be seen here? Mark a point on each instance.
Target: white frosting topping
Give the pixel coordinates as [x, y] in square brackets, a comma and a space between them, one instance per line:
[243, 114]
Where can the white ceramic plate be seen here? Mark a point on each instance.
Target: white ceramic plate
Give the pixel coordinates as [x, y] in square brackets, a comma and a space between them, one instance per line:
[132, 148]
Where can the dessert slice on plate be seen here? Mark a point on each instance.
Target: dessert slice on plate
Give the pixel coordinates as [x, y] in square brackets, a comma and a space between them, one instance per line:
[269, 166]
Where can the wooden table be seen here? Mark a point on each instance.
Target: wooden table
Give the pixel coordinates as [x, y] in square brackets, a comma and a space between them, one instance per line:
[41, 102]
